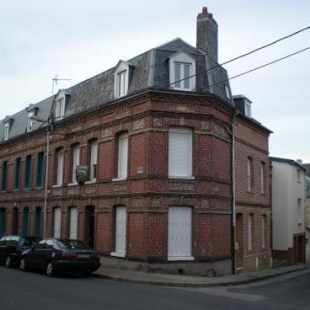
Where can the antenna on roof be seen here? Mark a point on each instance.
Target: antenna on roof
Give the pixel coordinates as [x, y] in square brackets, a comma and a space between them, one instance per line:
[55, 80]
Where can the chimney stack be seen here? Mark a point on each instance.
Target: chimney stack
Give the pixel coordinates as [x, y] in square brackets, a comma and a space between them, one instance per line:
[206, 39]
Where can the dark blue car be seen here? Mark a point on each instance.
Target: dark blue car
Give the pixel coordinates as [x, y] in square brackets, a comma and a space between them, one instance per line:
[11, 248]
[61, 255]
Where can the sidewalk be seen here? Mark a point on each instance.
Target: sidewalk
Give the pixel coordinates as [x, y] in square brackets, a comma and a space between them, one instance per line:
[192, 281]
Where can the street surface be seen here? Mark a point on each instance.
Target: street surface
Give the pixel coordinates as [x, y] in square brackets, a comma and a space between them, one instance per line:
[35, 291]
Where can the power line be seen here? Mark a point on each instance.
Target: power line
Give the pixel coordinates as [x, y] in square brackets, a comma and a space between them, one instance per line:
[262, 66]
[243, 55]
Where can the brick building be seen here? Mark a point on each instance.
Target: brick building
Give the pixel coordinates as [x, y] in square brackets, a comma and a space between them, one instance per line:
[154, 137]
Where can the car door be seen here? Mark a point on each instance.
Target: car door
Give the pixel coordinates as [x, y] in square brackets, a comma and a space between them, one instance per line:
[44, 254]
[33, 257]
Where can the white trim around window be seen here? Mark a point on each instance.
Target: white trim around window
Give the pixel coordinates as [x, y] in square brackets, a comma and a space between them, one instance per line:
[180, 152]
[182, 68]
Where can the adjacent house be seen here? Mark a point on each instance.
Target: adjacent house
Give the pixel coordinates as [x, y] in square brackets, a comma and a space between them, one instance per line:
[288, 210]
[150, 162]
[307, 166]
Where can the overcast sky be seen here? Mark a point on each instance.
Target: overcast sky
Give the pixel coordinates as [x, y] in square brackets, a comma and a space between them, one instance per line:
[77, 39]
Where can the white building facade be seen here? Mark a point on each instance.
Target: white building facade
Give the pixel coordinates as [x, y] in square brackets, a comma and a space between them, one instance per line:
[288, 210]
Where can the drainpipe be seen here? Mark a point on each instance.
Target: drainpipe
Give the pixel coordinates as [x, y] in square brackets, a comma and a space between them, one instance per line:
[233, 177]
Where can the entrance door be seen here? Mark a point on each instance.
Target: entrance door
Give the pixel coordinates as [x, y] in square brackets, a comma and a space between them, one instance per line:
[180, 233]
[120, 231]
[89, 226]
[238, 242]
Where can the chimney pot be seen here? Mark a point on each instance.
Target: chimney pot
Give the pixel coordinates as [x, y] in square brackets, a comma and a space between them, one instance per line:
[204, 10]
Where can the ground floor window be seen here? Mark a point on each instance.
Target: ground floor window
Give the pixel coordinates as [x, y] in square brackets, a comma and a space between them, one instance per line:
[57, 222]
[73, 222]
[180, 233]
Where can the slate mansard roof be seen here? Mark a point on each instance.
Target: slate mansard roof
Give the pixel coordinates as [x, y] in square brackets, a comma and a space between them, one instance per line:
[149, 70]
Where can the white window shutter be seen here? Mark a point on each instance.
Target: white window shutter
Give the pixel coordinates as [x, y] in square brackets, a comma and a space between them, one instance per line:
[180, 152]
[122, 155]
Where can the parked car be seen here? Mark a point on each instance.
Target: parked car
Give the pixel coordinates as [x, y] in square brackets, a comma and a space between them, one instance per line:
[11, 248]
[55, 256]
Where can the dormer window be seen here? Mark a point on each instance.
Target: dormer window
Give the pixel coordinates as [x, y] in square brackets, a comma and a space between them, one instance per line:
[32, 112]
[6, 131]
[7, 126]
[182, 71]
[60, 104]
[121, 79]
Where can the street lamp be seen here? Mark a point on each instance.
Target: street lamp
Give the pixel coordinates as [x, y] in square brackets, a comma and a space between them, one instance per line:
[48, 132]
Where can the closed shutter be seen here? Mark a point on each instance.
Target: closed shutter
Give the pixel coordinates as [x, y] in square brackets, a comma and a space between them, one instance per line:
[57, 222]
[120, 234]
[180, 233]
[180, 152]
[122, 155]
[73, 223]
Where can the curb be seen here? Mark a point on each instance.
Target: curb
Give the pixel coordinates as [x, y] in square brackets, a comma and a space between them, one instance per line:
[199, 284]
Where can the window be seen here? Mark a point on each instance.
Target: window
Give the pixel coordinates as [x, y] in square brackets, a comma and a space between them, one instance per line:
[59, 109]
[180, 233]
[93, 147]
[264, 230]
[122, 160]
[121, 79]
[60, 166]
[182, 72]
[40, 169]
[17, 173]
[262, 178]
[180, 152]
[30, 122]
[298, 175]
[299, 211]
[57, 222]
[250, 231]
[247, 109]
[6, 131]
[4, 175]
[60, 104]
[250, 174]
[227, 92]
[27, 179]
[73, 222]
[75, 149]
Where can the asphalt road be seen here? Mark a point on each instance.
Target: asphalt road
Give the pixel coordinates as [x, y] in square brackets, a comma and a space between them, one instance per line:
[31, 290]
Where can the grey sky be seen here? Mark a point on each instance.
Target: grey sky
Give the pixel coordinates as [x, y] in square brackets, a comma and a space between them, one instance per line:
[77, 39]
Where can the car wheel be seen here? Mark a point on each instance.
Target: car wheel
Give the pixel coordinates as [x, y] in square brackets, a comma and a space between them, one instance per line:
[8, 262]
[50, 269]
[23, 264]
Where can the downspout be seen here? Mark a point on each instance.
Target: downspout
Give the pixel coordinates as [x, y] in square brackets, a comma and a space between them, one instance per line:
[233, 177]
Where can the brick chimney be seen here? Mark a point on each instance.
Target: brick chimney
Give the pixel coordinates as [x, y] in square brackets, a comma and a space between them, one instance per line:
[206, 39]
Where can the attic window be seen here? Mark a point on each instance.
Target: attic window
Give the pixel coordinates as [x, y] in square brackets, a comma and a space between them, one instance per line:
[247, 109]
[227, 92]
[7, 126]
[60, 105]
[6, 131]
[182, 72]
[30, 122]
[121, 79]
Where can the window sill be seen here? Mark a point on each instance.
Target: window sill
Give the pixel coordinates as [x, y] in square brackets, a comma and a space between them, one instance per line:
[57, 185]
[119, 179]
[115, 254]
[91, 181]
[73, 184]
[180, 258]
[173, 177]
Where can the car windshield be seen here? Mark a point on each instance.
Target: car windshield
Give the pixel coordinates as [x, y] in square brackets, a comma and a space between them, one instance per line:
[72, 244]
